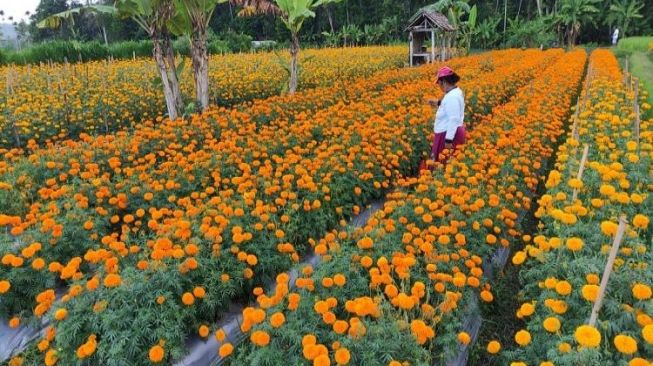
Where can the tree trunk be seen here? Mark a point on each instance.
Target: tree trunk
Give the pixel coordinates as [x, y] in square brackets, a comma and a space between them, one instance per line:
[539, 7]
[104, 34]
[200, 56]
[159, 58]
[330, 17]
[294, 67]
[518, 9]
[173, 78]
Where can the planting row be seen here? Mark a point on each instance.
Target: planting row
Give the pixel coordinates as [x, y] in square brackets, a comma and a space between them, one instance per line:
[396, 291]
[563, 266]
[50, 102]
[154, 234]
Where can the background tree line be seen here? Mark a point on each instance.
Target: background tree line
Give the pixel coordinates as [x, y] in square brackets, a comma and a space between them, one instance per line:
[357, 22]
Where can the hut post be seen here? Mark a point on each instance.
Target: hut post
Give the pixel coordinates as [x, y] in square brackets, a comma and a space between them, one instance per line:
[432, 45]
[410, 42]
[444, 48]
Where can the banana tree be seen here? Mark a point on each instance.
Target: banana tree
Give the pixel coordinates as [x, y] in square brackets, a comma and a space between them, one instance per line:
[156, 19]
[293, 15]
[469, 28]
[623, 12]
[192, 19]
[55, 21]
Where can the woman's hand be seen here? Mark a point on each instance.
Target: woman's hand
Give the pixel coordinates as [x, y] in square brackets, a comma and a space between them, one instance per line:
[433, 102]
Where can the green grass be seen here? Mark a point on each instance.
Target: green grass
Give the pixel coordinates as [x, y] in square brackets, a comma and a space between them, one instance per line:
[633, 44]
[641, 66]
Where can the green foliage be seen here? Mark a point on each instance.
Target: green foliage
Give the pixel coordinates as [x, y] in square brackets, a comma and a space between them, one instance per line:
[530, 33]
[297, 11]
[623, 13]
[59, 51]
[485, 34]
[640, 44]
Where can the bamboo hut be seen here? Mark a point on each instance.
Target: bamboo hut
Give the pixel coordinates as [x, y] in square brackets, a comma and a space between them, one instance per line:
[428, 25]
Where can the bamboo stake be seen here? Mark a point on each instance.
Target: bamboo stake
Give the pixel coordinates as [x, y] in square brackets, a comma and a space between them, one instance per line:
[10, 92]
[608, 270]
[637, 123]
[574, 129]
[580, 171]
[637, 112]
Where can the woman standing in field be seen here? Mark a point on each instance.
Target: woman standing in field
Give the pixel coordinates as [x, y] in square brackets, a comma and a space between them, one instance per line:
[448, 127]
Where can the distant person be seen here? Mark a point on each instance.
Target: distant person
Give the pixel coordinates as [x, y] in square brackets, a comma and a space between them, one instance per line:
[448, 126]
[615, 36]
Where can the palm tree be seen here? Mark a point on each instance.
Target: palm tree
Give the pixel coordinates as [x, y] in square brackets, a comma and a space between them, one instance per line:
[623, 12]
[293, 15]
[574, 14]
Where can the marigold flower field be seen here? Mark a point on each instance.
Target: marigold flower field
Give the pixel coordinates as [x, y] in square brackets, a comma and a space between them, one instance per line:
[122, 246]
[51, 102]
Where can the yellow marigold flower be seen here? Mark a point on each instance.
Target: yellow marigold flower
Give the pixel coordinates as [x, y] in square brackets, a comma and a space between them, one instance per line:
[527, 309]
[640, 221]
[587, 336]
[641, 292]
[563, 288]
[608, 228]
[575, 183]
[546, 363]
[519, 258]
[607, 190]
[564, 347]
[590, 292]
[464, 338]
[625, 344]
[551, 324]
[647, 333]
[574, 244]
[493, 347]
[638, 361]
[523, 338]
[592, 279]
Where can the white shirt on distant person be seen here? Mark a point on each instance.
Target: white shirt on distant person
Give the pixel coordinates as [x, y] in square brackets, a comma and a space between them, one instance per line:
[450, 114]
[615, 36]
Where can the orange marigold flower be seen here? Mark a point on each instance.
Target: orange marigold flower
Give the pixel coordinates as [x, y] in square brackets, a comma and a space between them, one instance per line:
[493, 347]
[60, 314]
[277, 319]
[188, 299]
[156, 354]
[260, 338]
[203, 331]
[625, 344]
[225, 350]
[587, 336]
[199, 292]
[342, 356]
[4, 286]
[112, 280]
[523, 338]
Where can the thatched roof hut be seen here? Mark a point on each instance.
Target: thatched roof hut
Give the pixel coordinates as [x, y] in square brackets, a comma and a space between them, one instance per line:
[427, 22]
